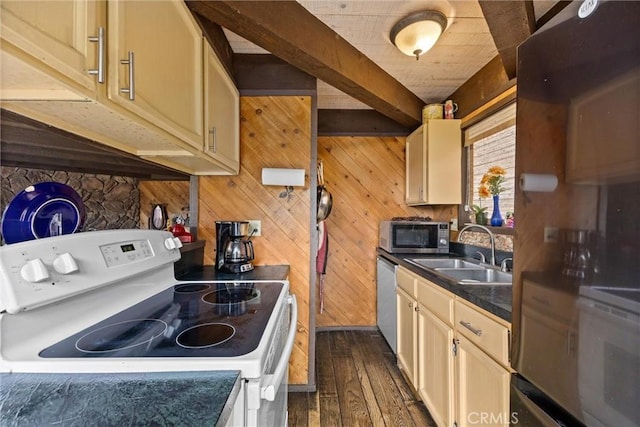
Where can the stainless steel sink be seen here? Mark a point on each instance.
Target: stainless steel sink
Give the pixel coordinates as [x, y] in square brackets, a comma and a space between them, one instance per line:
[436, 263]
[487, 276]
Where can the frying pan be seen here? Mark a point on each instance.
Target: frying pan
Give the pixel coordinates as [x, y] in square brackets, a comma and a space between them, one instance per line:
[325, 200]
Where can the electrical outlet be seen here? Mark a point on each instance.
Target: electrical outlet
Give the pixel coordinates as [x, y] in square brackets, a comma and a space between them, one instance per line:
[550, 234]
[255, 228]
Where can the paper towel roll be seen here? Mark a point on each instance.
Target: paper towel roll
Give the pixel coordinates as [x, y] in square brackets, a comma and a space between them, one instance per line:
[538, 182]
[282, 176]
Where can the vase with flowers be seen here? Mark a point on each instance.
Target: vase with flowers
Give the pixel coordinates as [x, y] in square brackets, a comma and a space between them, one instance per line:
[492, 184]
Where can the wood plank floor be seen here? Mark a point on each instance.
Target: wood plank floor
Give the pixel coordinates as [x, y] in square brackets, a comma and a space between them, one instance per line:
[359, 384]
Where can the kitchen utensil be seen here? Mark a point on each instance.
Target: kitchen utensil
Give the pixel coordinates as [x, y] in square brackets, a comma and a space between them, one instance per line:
[45, 209]
[158, 217]
[321, 259]
[325, 200]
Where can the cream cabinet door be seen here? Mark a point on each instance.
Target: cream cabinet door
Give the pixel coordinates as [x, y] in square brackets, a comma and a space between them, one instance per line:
[436, 367]
[415, 164]
[155, 65]
[221, 113]
[54, 37]
[483, 388]
[407, 339]
[434, 164]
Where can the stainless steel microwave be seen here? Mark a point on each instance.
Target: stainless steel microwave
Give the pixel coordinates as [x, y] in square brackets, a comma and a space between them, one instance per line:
[414, 237]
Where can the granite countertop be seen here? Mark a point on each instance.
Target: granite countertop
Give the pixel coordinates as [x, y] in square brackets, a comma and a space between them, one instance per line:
[494, 299]
[260, 272]
[118, 399]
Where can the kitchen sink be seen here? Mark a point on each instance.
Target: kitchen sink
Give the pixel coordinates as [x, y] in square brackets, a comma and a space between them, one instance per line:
[436, 263]
[485, 276]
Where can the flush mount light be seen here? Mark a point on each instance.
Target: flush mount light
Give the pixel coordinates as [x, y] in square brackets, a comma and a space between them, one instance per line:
[418, 32]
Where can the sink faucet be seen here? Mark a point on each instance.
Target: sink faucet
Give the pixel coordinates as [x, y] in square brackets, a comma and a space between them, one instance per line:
[503, 264]
[492, 239]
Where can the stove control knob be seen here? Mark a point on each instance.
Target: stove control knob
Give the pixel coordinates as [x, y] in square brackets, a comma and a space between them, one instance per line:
[172, 243]
[34, 271]
[65, 264]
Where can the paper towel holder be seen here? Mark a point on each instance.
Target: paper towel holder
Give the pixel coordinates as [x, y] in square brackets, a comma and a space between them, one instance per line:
[287, 177]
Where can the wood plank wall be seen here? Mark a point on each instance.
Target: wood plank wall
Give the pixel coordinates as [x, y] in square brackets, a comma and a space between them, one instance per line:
[173, 194]
[274, 132]
[366, 177]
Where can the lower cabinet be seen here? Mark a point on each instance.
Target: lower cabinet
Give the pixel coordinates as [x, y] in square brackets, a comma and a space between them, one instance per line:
[454, 354]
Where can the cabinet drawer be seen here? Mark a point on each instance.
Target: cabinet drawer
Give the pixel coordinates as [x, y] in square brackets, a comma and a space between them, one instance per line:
[406, 281]
[489, 335]
[436, 299]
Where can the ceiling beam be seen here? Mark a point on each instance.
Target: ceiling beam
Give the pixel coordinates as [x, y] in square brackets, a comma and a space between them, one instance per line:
[290, 32]
[510, 23]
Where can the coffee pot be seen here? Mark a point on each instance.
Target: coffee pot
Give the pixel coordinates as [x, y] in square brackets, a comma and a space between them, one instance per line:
[234, 252]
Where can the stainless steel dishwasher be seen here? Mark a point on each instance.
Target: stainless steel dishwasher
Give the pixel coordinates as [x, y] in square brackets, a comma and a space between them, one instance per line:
[386, 284]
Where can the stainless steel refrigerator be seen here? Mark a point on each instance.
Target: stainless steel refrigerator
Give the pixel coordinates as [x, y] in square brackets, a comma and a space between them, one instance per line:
[576, 311]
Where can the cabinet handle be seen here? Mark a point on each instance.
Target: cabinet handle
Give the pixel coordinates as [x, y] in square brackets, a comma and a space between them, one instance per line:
[131, 89]
[213, 144]
[416, 308]
[100, 70]
[467, 325]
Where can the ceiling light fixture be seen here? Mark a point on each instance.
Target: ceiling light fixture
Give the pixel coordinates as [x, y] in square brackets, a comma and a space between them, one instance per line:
[418, 32]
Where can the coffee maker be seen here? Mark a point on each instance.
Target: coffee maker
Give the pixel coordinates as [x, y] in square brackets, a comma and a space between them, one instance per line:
[234, 253]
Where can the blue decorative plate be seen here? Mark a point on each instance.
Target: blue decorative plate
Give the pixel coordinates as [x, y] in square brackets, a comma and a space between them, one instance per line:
[45, 209]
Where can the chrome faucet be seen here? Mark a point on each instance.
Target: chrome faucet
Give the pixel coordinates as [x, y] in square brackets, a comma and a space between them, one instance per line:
[503, 264]
[492, 239]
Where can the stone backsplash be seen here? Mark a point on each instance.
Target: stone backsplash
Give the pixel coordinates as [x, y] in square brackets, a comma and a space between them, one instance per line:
[111, 202]
[504, 242]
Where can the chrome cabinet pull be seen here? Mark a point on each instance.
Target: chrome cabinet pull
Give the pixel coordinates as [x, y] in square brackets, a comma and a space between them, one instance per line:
[467, 325]
[131, 89]
[100, 70]
[213, 144]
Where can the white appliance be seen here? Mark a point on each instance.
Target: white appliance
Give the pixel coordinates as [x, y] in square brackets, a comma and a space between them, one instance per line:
[386, 301]
[107, 301]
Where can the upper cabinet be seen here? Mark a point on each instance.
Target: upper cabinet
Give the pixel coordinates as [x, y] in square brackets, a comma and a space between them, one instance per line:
[155, 65]
[63, 38]
[434, 164]
[140, 81]
[221, 113]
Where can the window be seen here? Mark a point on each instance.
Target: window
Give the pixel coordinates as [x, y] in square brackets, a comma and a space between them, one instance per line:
[492, 142]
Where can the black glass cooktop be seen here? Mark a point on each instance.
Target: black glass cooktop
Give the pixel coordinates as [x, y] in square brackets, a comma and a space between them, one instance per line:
[187, 320]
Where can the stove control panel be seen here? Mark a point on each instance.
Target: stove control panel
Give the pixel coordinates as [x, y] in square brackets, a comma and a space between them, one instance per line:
[39, 272]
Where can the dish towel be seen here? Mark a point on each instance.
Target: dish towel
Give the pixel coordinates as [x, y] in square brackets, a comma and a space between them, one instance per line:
[321, 258]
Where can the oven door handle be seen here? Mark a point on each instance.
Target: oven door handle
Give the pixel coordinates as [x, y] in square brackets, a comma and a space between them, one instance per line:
[268, 391]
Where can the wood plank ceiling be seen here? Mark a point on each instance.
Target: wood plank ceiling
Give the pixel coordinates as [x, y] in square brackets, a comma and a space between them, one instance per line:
[345, 44]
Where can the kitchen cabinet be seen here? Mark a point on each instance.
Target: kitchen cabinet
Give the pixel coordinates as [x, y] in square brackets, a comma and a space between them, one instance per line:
[159, 115]
[482, 367]
[435, 355]
[434, 164]
[61, 37]
[455, 355]
[406, 307]
[221, 113]
[155, 65]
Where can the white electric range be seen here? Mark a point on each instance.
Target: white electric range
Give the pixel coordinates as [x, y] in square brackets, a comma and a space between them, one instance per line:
[107, 301]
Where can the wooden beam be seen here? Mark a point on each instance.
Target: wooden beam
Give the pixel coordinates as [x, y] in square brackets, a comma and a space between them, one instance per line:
[289, 31]
[486, 84]
[263, 75]
[510, 23]
[358, 123]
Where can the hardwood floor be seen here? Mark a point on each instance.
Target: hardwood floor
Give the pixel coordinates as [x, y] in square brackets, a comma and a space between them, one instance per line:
[359, 384]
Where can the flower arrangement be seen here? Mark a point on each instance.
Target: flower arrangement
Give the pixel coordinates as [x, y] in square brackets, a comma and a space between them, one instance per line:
[491, 182]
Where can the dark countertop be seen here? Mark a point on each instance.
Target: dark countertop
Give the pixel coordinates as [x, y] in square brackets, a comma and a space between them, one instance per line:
[118, 399]
[260, 272]
[494, 299]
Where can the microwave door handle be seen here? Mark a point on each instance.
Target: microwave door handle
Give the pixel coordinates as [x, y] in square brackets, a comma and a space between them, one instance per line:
[268, 391]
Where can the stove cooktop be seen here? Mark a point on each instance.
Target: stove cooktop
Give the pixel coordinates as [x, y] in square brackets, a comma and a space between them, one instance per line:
[222, 319]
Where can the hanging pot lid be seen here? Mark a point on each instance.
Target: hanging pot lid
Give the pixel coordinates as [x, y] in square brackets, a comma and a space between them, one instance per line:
[41, 210]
